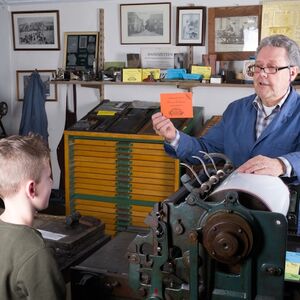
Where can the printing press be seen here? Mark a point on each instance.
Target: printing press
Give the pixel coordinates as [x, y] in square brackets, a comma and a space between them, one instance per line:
[221, 236]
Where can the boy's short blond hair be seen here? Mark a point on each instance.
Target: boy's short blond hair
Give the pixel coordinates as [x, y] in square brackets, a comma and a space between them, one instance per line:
[22, 158]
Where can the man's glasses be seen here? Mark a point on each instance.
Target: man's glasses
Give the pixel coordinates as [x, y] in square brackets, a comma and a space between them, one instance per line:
[268, 70]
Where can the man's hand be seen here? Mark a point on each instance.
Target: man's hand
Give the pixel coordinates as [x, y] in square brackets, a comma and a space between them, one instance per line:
[163, 127]
[263, 165]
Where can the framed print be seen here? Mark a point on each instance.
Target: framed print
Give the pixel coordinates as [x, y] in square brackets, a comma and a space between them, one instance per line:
[190, 25]
[81, 51]
[234, 32]
[36, 30]
[23, 77]
[145, 23]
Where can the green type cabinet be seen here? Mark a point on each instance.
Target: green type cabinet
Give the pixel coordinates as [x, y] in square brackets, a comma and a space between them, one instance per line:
[117, 177]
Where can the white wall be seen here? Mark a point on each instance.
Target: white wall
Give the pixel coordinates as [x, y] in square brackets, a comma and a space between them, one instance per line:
[83, 16]
[5, 59]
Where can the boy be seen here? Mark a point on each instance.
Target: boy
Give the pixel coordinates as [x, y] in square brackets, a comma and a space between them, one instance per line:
[28, 269]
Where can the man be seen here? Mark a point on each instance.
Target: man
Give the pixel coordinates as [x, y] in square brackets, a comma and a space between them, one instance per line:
[28, 269]
[260, 133]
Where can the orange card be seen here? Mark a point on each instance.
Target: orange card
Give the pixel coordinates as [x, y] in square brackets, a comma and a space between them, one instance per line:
[176, 105]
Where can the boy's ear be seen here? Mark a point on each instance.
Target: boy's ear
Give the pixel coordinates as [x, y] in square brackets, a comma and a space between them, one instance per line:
[31, 189]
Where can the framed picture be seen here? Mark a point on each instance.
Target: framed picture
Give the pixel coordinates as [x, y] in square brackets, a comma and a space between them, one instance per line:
[190, 25]
[36, 30]
[81, 51]
[234, 32]
[145, 23]
[23, 77]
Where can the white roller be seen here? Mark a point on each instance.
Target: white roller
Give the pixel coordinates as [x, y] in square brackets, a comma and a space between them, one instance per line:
[271, 190]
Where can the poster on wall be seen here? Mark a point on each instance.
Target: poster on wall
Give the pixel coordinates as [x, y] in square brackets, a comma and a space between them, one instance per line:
[281, 17]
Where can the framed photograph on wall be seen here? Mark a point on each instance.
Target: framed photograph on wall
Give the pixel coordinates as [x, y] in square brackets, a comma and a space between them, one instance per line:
[145, 23]
[190, 25]
[234, 32]
[36, 30]
[81, 51]
[23, 77]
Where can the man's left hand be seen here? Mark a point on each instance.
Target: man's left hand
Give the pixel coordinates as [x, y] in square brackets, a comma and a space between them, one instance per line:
[262, 165]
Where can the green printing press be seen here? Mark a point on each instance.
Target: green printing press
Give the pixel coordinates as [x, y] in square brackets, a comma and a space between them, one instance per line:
[214, 239]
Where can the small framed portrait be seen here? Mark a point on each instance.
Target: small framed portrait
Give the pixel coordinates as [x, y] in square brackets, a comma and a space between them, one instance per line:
[190, 25]
[36, 30]
[145, 23]
[23, 77]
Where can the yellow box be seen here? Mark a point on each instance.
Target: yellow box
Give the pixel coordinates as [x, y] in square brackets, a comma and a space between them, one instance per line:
[147, 72]
[132, 75]
[205, 71]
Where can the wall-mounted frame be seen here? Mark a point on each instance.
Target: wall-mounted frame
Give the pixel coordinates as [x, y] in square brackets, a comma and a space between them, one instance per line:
[234, 32]
[81, 51]
[36, 30]
[145, 23]
[190, 25]
[23, 77]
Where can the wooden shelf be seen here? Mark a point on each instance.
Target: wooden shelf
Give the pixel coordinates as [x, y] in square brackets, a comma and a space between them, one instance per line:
[181, 84]
[178, 83]
[79, 82]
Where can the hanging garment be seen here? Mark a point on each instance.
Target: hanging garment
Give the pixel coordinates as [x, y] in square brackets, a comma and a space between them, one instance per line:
[34, 117]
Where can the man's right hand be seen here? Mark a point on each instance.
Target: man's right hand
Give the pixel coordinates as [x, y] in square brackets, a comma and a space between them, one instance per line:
[163, 127]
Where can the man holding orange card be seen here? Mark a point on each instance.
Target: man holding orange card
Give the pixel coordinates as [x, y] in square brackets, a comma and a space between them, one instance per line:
[260, 133]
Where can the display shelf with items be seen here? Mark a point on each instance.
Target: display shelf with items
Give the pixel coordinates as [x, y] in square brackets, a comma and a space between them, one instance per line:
[188, 85]
[179, 83]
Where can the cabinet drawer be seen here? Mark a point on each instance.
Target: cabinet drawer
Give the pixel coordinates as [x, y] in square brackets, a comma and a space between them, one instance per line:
[104, 211]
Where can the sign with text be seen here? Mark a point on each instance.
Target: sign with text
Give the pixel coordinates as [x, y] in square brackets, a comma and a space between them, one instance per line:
[161, 58]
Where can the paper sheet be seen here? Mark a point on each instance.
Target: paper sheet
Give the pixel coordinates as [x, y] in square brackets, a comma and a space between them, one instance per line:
[176, 105]
[51, 235]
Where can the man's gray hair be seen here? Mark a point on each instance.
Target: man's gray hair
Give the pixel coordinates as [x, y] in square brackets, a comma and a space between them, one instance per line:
[282, 41]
